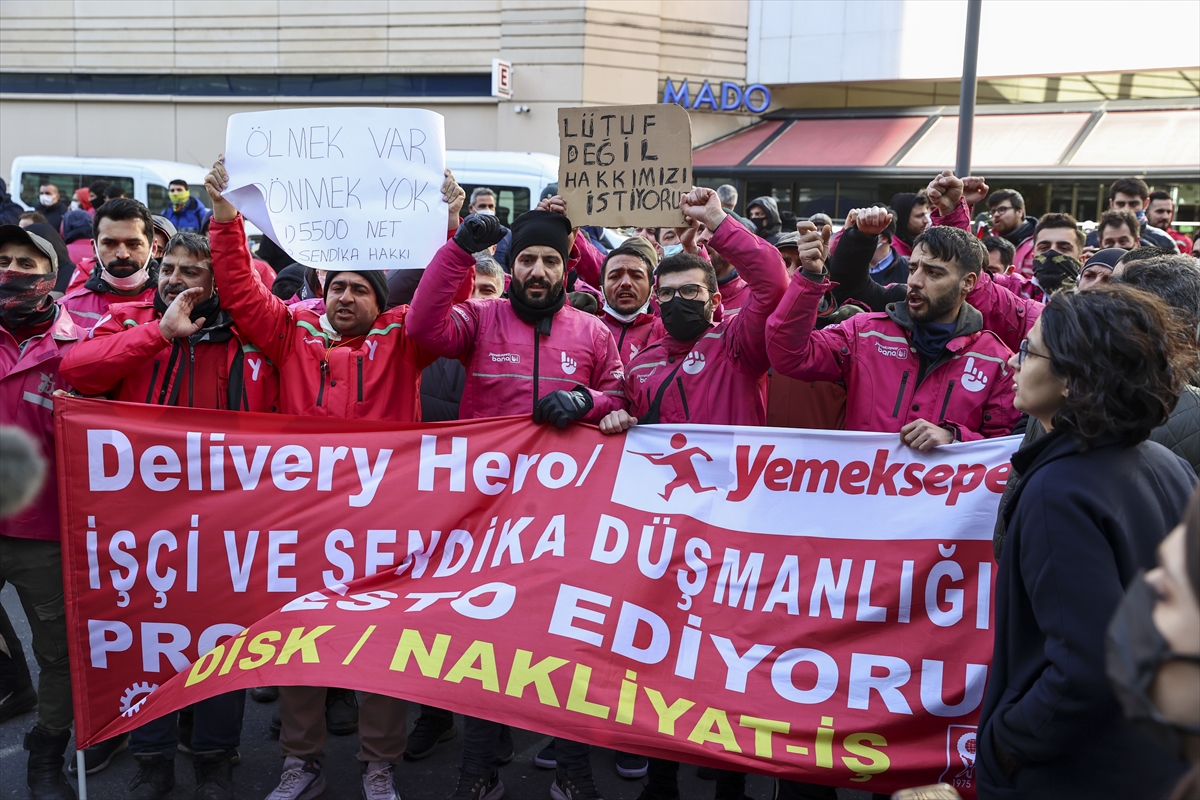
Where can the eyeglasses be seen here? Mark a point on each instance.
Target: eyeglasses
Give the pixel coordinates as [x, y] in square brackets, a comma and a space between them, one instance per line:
[665, 294]
[1023, 352]
[1001, 210]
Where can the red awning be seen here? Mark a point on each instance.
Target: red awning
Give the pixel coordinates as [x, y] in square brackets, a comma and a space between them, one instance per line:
[734, 149]
[1154, 138]
[1000, 141]
[839, 142]
[1024, 139]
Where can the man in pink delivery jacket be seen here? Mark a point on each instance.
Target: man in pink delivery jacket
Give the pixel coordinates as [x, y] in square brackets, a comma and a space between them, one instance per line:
[35, 334]
[925, 368]
[706, 370]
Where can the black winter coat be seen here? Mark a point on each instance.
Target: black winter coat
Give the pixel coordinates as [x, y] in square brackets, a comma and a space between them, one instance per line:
[1080, 526]
[441, 390]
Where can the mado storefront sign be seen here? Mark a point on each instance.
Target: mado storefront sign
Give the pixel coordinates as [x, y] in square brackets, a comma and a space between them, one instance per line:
[754, 98]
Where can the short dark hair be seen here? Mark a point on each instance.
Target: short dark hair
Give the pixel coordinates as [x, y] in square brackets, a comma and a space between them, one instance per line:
[1175, 279]
[1143, 252]
[100, 189]
[1057, 220]
[921, 199]
[953, 244]
[1000, 195]
[1130, 186]
[625, 251]
[34, 216]
[193, 243]
[998, 244]
[178, 182]
[1125, 358]
[683, 262]
[1158, 195]
[120, 208]
[1119, 218]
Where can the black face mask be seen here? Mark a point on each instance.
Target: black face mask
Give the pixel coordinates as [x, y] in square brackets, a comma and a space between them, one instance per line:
[684, 319]
[25, 298]
[1135, 653]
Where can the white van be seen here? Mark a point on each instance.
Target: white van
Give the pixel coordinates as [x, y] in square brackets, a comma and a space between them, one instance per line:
[142, 179]
[517, 178]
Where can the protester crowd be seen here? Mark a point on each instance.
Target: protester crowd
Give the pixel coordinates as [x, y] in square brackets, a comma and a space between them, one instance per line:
[916, 319]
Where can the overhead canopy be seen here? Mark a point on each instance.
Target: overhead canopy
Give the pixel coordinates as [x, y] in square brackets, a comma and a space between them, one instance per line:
[1033, 140]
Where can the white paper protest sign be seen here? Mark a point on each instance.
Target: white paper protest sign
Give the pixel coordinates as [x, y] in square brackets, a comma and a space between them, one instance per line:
[344, 188]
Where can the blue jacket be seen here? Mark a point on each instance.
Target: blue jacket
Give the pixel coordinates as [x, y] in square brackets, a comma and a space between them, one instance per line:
[191, 218]
[1080, 526]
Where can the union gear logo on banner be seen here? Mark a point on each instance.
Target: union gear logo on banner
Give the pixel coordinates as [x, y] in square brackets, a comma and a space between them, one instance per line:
[960, 756]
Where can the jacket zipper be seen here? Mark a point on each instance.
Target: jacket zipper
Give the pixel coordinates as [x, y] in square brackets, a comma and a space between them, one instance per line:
[191, 373]
[537, 348]
[900, 396]
[621, 341]
[153, 379]
[683, 396]
[360, 388]
[946, 402]
[324, 372]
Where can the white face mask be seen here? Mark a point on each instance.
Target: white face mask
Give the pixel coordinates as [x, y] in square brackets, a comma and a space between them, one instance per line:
[47, 199]
[128, 283]
[486, 212]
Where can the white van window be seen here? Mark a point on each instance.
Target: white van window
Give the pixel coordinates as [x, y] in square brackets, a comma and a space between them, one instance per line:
[67, 184]
[511, 201]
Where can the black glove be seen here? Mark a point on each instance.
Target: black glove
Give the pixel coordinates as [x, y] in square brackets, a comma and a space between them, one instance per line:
[559, 408]
[479, 232]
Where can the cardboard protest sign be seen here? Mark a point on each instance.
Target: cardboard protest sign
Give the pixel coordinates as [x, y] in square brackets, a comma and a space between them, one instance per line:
[344, 188]
[624, 165]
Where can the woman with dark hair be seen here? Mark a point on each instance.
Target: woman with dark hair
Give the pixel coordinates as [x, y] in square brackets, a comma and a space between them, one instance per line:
[1154, 649]
[1099, 370]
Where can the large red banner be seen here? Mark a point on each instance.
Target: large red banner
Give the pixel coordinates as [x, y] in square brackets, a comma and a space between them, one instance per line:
[815, 605]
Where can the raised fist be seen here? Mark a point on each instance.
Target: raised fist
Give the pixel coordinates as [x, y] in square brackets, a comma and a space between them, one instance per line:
[945, 191]
[479, 232]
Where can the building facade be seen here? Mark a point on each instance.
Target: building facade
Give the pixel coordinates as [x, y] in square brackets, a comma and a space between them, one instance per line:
[159, 79]
[855, 99]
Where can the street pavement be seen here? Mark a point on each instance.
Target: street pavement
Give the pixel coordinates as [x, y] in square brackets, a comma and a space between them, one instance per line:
[430, 779]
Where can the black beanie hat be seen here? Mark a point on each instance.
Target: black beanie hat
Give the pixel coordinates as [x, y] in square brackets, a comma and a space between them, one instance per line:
[376, 277]
[544, 228]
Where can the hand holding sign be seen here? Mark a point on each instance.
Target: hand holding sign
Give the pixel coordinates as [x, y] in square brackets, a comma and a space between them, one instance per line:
[345, 188]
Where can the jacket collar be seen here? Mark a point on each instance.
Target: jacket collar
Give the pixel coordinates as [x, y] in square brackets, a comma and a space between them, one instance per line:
[1057, 444]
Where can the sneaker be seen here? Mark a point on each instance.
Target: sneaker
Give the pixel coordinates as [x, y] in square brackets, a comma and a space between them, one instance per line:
[155, 777]
[478, 786]
[545, 759]
[99, 756]
[341, 712]
[18, 702]
[574, 787]
[631, 765]
[264, 694]
[300, 780]
[378, 781]
[506, 753]
[428, 732]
